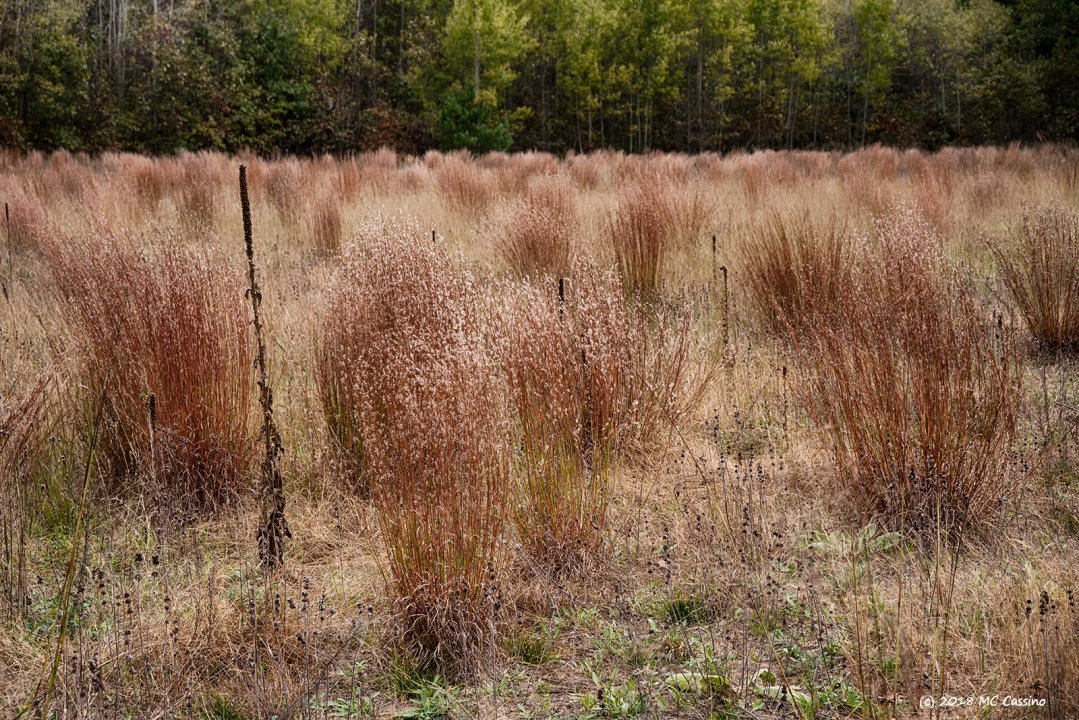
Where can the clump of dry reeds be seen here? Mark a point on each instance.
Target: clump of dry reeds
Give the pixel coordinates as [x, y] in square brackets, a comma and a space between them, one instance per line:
[1041, 272]
[914, 390]
[343, 364]
[791, 267]
[516, 172]
[868, 178]
[585, 170]
[24, 422]
[346, 177]
[284, 186]
[672, 363]
[65, 178]
[985, 189]
[568, 382]
[1052, 649]
[164, 337]
[202, 179]
[647, 365]
[538, 237]
[933, 186]
[465, 187]
[148, 179]
[691, 212]
[26, 220]
[401, 341]
[325, 226]
[639, 231]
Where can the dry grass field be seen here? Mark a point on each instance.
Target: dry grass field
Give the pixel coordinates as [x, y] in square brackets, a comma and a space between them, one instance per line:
[751, 436]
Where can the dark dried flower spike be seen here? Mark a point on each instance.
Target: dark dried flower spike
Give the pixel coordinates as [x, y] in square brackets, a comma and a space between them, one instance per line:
[273, 529]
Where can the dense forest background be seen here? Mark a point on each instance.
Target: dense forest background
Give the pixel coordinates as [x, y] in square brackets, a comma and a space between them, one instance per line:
[340, 75]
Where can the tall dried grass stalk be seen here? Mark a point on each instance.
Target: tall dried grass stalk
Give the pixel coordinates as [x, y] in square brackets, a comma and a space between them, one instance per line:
[284, 189]
[793, 269]
[432, 432]
[538, 238]
[167, 324]
[325, 226]
[567, 383]
[916, 395]
[691, 212]
[1041, 272]
[344, 365]
[672, 364]
[639, 231]
[465, 187]
[197, 203]
[273, 528]
[148, 180]
[24, 421]
[26, 220]
[646, 365]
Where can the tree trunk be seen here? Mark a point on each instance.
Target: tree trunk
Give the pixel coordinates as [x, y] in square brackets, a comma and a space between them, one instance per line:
[476, 49]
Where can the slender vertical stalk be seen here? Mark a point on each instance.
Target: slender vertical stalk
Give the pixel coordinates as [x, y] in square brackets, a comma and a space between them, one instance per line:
[1045, 407]
[786, 427]
[69, 577]
[273, 528]
[7, 227]
[153, 438]
[9, 288]
[713, 261]
[726, 309]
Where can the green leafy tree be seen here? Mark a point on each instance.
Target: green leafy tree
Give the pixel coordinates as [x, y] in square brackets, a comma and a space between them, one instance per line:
[647, 43]
[466, 122]
[788, 45]
[1047, 37]
[719, 64]
[581, 38]
[484, 40]
[340, 75]
[43, 75]
[871, 37]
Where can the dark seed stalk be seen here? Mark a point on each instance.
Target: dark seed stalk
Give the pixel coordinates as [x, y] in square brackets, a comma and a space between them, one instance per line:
[273, 528]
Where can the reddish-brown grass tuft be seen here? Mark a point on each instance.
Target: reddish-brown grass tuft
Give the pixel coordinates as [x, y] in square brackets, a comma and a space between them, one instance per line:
[28, 220]
[284, 189]
[793, 269]
[402, 345]
[325, 226]
[538, 238]
[25, 420]
[915, 394]
[1041, 272]
[639, 231]
[164, 337]
[567, 382]
[149, 180]
[466, 188]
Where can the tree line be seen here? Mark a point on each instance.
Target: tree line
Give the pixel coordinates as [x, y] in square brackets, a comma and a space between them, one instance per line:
[308, 76]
